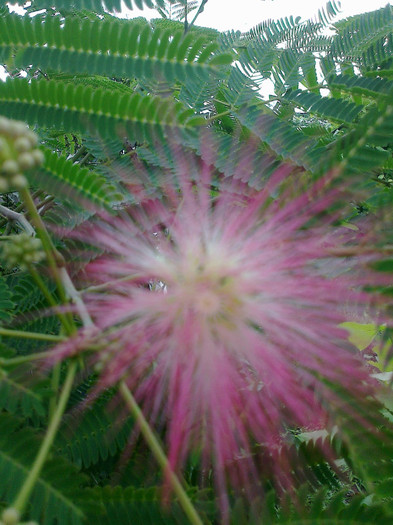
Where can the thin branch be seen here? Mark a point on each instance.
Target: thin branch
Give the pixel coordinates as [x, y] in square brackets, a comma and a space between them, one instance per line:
[185, 18]
[12, 361]
[17, 217]
[24, 493]
[31, 335]
[81, 151]
[65, 321]
[159, 455]
[201, 8]
[75, 297]
[219, 115]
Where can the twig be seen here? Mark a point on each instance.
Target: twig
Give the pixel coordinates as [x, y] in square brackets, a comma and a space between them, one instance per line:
[31, 335]
[75, 297]
[81, 151]
[159, 455]
[17, 217]
[201, 8]
[34, 472]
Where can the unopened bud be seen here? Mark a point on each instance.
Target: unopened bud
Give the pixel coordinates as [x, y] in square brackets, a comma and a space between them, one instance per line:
[3, 145]
[22, 144]
[10, 516]
[9, 167]
[18, 153]
[32, 138]
[38, 156]
[23, 250]
[3, 124]
[4, 186]
[26, 160]
[16, 128]
[19, 181]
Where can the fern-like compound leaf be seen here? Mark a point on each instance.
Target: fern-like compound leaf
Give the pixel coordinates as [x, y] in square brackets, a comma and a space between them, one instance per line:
[375, 88]
[61, 105]
[365, 37]
[329, 108]
[61, 176]
[98, 6]
[280, 136]
[91, 436]
[130, 506]
[57, 491]
[111, 48]
[310, 507]
[20, 395]
[6, 303]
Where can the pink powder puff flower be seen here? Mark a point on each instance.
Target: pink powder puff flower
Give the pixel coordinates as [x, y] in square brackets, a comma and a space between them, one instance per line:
[222, 315]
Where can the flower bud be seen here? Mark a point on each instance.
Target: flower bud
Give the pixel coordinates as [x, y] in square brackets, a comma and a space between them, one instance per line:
[38, 156]
[22, 144]
[19, 181]
[3, 185]
[3, 145]
[26, 160]
[32, 138]
[9, 167]
[18, 153]
[10, 516]
[3, 124]
[16, 128]
[23, 250]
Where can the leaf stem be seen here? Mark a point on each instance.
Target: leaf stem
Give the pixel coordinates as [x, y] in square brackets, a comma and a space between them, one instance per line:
[17, 217]
[27, 487]
[159, 455]
[22, 359]
[44, 289]
[32, 335]
[200, 9]
[219, 115]
[53, 256]
[55, 381]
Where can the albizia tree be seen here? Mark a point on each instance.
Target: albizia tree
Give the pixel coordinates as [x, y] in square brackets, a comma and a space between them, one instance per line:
[242, 231]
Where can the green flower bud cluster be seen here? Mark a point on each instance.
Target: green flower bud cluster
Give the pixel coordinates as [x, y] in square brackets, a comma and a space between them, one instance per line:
[11, 517]
[18, 153]
[22, 250]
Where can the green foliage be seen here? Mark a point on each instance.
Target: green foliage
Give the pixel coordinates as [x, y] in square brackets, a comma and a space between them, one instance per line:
[371, 88]
[20, 394]
[92, 435]
[365, 38]
[132, 507]
[59, 105]
[318, 508]
[30, 312]
[6, 304]
[177, 10]
[98, 6]
[140, 506]
[110, 47]
[104, 96]
[282, 138]
[56, 492]
[342, 111]
[64, 177]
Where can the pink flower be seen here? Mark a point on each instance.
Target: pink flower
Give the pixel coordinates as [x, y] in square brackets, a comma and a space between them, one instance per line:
[222, 315]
